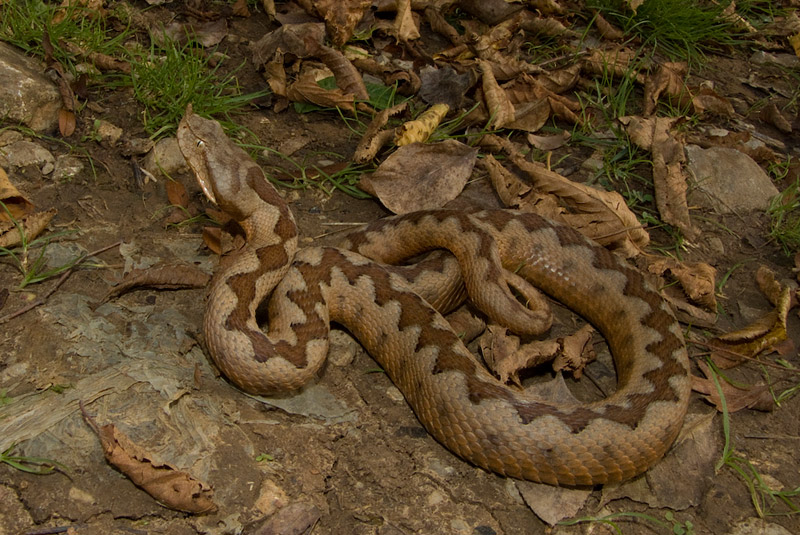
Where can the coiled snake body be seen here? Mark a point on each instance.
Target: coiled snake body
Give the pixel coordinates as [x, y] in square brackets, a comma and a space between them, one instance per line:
[456, 399]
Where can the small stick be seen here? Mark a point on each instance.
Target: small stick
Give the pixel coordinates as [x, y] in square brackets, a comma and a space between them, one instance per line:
[734, 355]
[43, 298]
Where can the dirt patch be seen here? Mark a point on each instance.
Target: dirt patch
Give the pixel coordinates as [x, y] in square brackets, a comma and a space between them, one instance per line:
[348, 448]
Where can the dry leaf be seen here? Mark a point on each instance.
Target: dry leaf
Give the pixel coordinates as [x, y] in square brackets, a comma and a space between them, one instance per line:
[171, 487]
[32, 225]
[756, 397]
[501, 111]
[306, 89]
[405, 27]
[507, 358]
[772, 115]
[13, 200]
[423, 176]
[348, 79]
[420, 129]
[508, 186]
[753, 339]
[654, 134]
[668, 79]
[696, 278]
[240, 8]
[289, 39]
[374, 138]
[607, 30]
[341, 17]
[576, 352]
[707, 100]
[549, 143]
[617, 62]
[601, 215]
[794, 40]
[440, 25]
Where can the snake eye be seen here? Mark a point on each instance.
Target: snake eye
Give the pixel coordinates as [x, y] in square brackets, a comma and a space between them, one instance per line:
[200, 143]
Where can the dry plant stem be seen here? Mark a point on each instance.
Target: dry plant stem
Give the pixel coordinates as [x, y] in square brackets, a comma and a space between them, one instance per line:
[43, 298]
[736, 355]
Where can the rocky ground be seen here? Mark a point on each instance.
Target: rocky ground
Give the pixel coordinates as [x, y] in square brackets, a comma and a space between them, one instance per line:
[347, 455]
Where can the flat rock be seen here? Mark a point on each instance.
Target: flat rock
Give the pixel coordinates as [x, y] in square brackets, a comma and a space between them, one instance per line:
[26, 95]
[726, 180]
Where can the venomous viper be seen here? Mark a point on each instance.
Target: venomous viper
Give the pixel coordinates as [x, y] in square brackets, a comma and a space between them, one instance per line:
[455, 398]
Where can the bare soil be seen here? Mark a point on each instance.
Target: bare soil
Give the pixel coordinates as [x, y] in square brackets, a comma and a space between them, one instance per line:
[350, 451]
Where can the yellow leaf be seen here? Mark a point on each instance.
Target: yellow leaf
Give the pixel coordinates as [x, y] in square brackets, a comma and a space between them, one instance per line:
[420, 129]
[794, 40]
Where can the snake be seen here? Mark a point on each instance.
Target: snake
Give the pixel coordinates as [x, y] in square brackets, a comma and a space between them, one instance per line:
[501, 259]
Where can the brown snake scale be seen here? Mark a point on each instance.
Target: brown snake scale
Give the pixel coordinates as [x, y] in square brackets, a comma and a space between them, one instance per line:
[455, 398]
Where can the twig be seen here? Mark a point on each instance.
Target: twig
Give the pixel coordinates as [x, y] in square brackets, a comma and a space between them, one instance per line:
[43, 298]
[734, 355]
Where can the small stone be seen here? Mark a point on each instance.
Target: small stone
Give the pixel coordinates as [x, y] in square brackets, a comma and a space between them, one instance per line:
[27, 95]
[727, 180]
[342, 349]
[27, 153]
[165, 157]
[108, 132]
[271, 498]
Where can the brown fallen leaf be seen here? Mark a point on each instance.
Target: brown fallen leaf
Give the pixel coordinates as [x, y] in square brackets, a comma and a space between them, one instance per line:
[696, 278]
[772, 115]
[420, 129]
[708, 100]
[756, 397]
[506, 357]
[294, 519]
[668, 79]
[341, 17]
[607, 30]
[169, 486]
[306, 89]
[405, 27]
[423, 176]
[598, 214]
[374, 138]
[439, 24]
[509, 187]
[31, 224]
[240, 8]
[549, 143]
[654, 134]
[501, 110]
[13, 201]
[617, 61]
[576, 352]
[348, 79]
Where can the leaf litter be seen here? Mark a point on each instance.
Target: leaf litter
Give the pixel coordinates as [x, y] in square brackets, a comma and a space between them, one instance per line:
[479, 69]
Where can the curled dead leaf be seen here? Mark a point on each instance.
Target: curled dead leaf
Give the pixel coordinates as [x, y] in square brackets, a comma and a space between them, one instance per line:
[169, 486]
[576, 352]
[501, 110]
[420, 129]
[697, 279]
[505, 355]
[306, 89]
[760, 335]
[16, 204]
